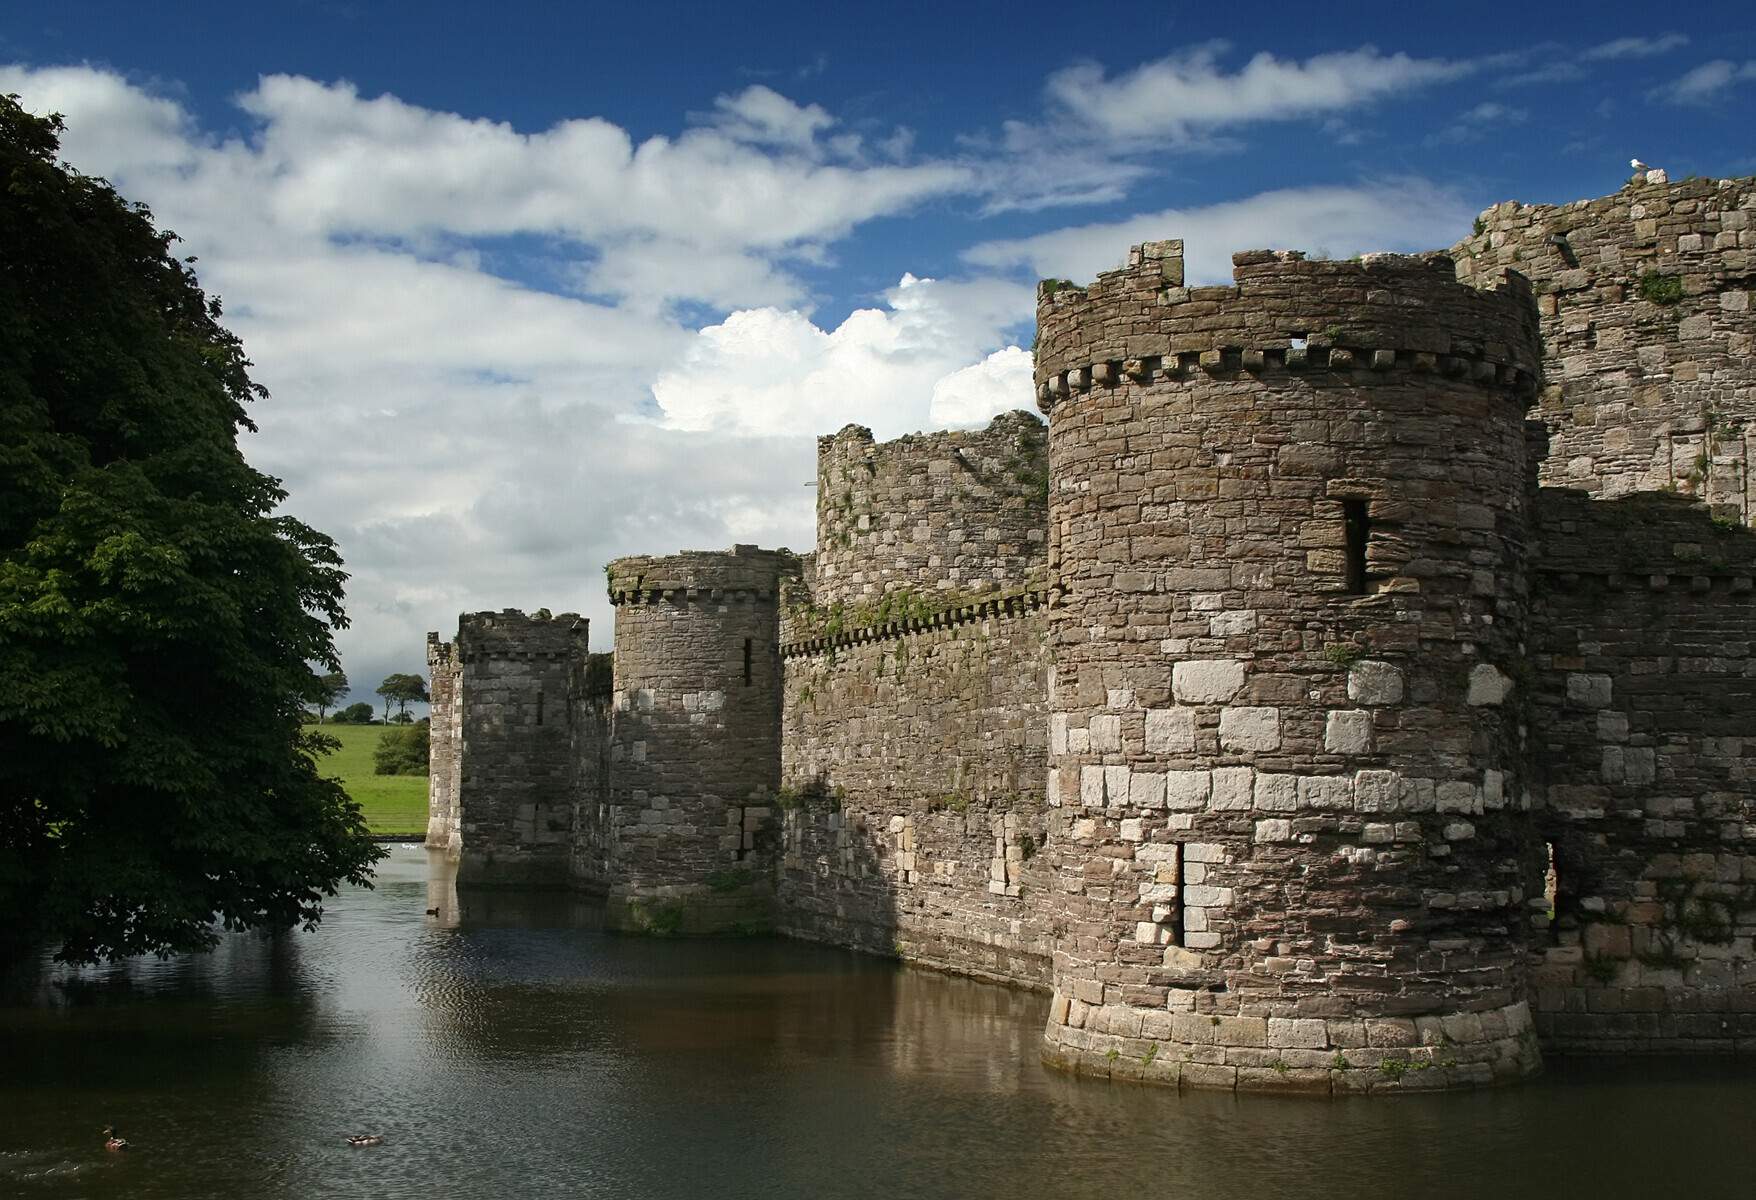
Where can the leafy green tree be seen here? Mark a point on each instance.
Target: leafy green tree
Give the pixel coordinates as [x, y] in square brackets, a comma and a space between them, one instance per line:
[402, 751]
[401, 690]
[358, 713]
[157, 619]
[331, 687]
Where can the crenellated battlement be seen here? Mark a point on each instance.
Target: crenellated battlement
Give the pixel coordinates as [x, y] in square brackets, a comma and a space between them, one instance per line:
[743, 573]
[1283, 312]
[509, 635]
[961, 510]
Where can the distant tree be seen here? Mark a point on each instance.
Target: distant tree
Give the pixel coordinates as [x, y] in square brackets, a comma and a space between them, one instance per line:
[158, 618]
[358, 713]
[401, 689]
[401, 751]
[330, 688]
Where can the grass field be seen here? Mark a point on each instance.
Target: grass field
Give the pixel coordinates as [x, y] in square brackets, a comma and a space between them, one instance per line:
[392, 803]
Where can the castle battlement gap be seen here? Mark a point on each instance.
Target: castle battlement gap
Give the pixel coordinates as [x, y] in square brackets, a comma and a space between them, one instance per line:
[1349, 690]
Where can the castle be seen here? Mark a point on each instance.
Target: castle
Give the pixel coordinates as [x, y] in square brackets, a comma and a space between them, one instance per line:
[1350, 690]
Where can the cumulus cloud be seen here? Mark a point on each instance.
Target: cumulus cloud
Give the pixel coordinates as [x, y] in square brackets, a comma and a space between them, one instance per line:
[896, 369]
[1398, 214]
[1706, 84]
[982, 391]
[476, 440]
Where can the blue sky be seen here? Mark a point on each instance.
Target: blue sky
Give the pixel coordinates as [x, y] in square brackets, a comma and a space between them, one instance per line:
[536, 285]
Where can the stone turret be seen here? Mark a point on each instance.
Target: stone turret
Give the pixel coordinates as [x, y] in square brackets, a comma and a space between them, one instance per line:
[1287, 544]
[695, 735]
[501, 692]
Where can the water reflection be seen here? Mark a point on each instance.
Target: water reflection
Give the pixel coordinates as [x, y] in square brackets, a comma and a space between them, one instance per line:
[507, 1045]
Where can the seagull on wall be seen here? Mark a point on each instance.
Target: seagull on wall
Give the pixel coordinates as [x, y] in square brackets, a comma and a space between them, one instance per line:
[1638, 165]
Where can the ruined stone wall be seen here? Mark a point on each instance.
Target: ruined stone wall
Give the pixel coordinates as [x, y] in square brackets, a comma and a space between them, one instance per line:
[694, 749]
[589, 698]
[1644, 702]
[913, 760]
[445, 735]
[1648, 332]
[962, 511]
[1295, 853]
[514, 794]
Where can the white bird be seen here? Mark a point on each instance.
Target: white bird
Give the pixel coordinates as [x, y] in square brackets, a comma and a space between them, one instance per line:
[1638, 165]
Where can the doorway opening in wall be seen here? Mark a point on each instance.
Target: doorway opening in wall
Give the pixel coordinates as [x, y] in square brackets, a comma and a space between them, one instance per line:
[1358, 527]
[748, 647]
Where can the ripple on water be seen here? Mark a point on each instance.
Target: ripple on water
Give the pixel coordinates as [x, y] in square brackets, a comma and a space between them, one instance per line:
[510, 1047]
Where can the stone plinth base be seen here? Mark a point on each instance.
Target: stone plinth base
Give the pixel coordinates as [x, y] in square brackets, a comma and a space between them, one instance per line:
[1314, 1056]
[734, 908]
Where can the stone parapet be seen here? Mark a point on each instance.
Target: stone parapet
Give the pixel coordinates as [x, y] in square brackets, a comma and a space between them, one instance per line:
[1649, 333]
[958, 511]
[1285, 313]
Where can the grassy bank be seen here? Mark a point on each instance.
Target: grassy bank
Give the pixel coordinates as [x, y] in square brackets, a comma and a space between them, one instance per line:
[392, 803]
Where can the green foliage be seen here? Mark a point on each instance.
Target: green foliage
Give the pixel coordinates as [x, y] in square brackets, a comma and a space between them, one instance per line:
[1049, 287]
[331, 686]
[359, 713]
[1661, 289]
[402, 751]
[657, 918]
[1480, 227]
[1342, 654]
[158, 620]
[732, 879]
[1601, 967]
[401, 690]
[1151, 1053]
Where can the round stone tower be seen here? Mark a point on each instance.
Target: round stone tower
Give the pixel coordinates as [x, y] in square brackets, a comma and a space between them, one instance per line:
[1287, 524]
[695, 737]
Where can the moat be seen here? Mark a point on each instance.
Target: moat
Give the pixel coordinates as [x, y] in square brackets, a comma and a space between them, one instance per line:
[518, 1050]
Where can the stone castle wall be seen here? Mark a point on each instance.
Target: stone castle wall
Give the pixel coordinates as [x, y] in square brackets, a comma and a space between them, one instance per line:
[1645, 298]
[1644, 678]
[445, 735]
[1266, 710]
[913, 756]
[513, 745]
[958, 512]
[1295, 849]
[694, 750]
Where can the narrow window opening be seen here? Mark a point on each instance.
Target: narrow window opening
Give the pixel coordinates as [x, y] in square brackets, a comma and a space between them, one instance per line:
[1551, 883]
[539, 706]
[747, 651]
[1359, 528]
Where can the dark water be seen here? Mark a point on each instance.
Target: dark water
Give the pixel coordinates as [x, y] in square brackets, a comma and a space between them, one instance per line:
[519, 1052]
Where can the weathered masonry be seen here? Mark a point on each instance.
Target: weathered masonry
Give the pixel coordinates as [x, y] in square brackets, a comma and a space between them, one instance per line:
[1350, 689]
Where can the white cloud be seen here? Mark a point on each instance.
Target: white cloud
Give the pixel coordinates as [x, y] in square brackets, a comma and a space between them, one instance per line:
[1706, 84]
[1473, 124]
[470, 440]
[976, 394]
[1178, 98]
[1398, 214]
[773, 372]
[763, 116]
[1636, 47]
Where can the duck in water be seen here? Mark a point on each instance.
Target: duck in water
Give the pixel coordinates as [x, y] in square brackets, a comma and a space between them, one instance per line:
[365, 1139]
[112, 1141]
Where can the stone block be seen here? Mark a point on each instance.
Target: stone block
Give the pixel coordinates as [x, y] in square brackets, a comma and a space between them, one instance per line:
[1207, 681]
[1170, 731]
[1348, 731]
[1297, 1033]
[1487, 685]
[1277, 793]
[1146, 789]
[1231, 789]
[1588, 691]
[1187, 791]
[1375, 683]
[1255, 729]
